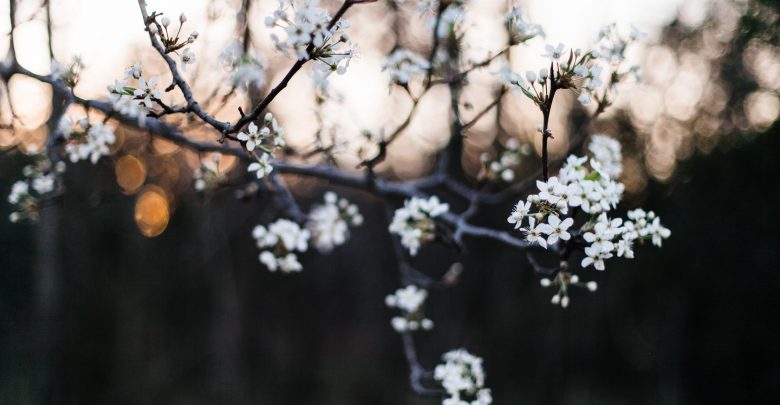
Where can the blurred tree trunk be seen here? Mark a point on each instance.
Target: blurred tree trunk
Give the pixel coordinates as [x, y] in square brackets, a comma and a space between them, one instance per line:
[47, 277]
[225, 328]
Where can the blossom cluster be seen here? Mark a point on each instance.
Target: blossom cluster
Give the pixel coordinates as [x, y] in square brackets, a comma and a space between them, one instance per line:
[207, 176]
[504, 166]
[608, 236]
[409, 300]
[590, 189]
[329, 223]
[246, 69]
[463, 378]
[414, 222]
[69, 73]
[576, 70]
[40, 181]
[519, 28]
[403, 65]
[573, 70]
[308, 35]
[262, 142]
[613, 43]
[134, 101]
[279, 242]
[158, 25]
[86, 140]
[608, 152]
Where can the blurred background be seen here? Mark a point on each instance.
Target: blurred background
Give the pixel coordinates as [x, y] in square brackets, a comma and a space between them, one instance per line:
[134, 289]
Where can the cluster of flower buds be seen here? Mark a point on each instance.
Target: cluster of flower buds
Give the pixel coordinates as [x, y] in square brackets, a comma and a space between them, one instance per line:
[158, 24]
[463, 379]
[571, 69]
[563, 281]
[134, 101]
[329, 223]
[278, 244]
[409, 300]
[519, 28]
[309, 35]
[414, 222]
[262, 142]
[86, 140]
[41, 180]
[403, 65]
[246, 69]
[509, 158]
[69, 73]
[207, 176]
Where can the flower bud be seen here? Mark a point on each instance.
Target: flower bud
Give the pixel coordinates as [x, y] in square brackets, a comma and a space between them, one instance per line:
[153, 28]
[556, 299]
[182, 18]
[564, 302]
[165, 21]
[592, 286]
[545, 282]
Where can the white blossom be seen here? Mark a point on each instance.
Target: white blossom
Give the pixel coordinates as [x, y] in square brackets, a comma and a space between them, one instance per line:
[533, 234]
[329, 223]
[19, 191]
[304, 33]
[607, 152]
[403, 65]
[595, 256]
[246, 69]
[556, 229]
[44, 183]
[90, 143]
[554, 53]
[519, 29]
[519, 212]
[262, 141]
[261, 166]
[409, 300]
[463, 379]
[414, 222]
[278, 244]
[187, 58]
[147, 91]
[253, 137]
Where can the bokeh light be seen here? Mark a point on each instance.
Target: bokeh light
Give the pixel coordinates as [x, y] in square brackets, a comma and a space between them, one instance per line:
[152, 211]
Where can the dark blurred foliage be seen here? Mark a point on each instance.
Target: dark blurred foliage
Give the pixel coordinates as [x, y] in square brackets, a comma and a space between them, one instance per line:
[91, 312]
